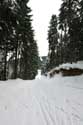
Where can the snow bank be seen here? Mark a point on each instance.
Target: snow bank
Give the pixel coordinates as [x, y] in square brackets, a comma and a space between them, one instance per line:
[79, 65]
[67, 66]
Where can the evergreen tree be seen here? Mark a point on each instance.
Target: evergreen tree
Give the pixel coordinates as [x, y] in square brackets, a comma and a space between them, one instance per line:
[81, 31]
[17, 38]
[6, 31]
[26, 43]
[69, 24]
[53, 41]
[68, 47]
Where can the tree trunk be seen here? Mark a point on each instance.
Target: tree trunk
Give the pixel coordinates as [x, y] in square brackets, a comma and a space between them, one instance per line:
[5, 65]
[16, 64]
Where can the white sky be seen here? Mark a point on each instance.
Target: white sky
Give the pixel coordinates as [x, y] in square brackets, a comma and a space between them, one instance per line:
[42, 11]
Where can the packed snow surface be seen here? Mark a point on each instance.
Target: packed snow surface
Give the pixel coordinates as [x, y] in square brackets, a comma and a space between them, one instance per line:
[57, 101]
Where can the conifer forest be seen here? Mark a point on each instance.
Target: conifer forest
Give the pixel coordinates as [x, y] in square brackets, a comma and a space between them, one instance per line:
[19, 53]
[18, 48]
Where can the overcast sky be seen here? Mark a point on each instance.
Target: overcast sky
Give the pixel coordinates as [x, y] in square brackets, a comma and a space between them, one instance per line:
[42, 11]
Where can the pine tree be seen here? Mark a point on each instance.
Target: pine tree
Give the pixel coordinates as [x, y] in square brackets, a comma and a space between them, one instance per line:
[81, 31]
[53, 41]
[69, 24]
[17, 38]
[26, 43]
[6, 31]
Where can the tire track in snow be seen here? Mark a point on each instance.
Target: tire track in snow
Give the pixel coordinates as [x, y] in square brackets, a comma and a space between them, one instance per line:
[57, 111]
[63, 116]
[74, 109]
[46, 105]
[42, 110]
[46, 110]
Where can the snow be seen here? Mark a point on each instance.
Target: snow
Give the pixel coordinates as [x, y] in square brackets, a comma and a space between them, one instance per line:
[38, 75]
[56, 101]
[78, 65]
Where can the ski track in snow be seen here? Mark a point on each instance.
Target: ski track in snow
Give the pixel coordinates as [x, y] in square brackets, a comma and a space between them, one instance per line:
[42, 102]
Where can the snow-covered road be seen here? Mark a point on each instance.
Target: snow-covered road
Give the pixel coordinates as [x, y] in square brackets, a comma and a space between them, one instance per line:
[57, 101]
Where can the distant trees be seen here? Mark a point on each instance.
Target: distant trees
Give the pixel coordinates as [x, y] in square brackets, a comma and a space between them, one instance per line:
[70, 30]
[17, 39]
[53, 42]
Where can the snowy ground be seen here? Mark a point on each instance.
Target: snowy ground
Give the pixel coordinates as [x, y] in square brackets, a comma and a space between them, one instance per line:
[57, 101]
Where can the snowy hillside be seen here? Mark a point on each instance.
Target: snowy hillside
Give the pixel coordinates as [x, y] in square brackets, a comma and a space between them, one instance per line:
[58, 101]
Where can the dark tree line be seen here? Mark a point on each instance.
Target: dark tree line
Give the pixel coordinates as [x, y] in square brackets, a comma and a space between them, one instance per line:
[18, 49]
[65, 34]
